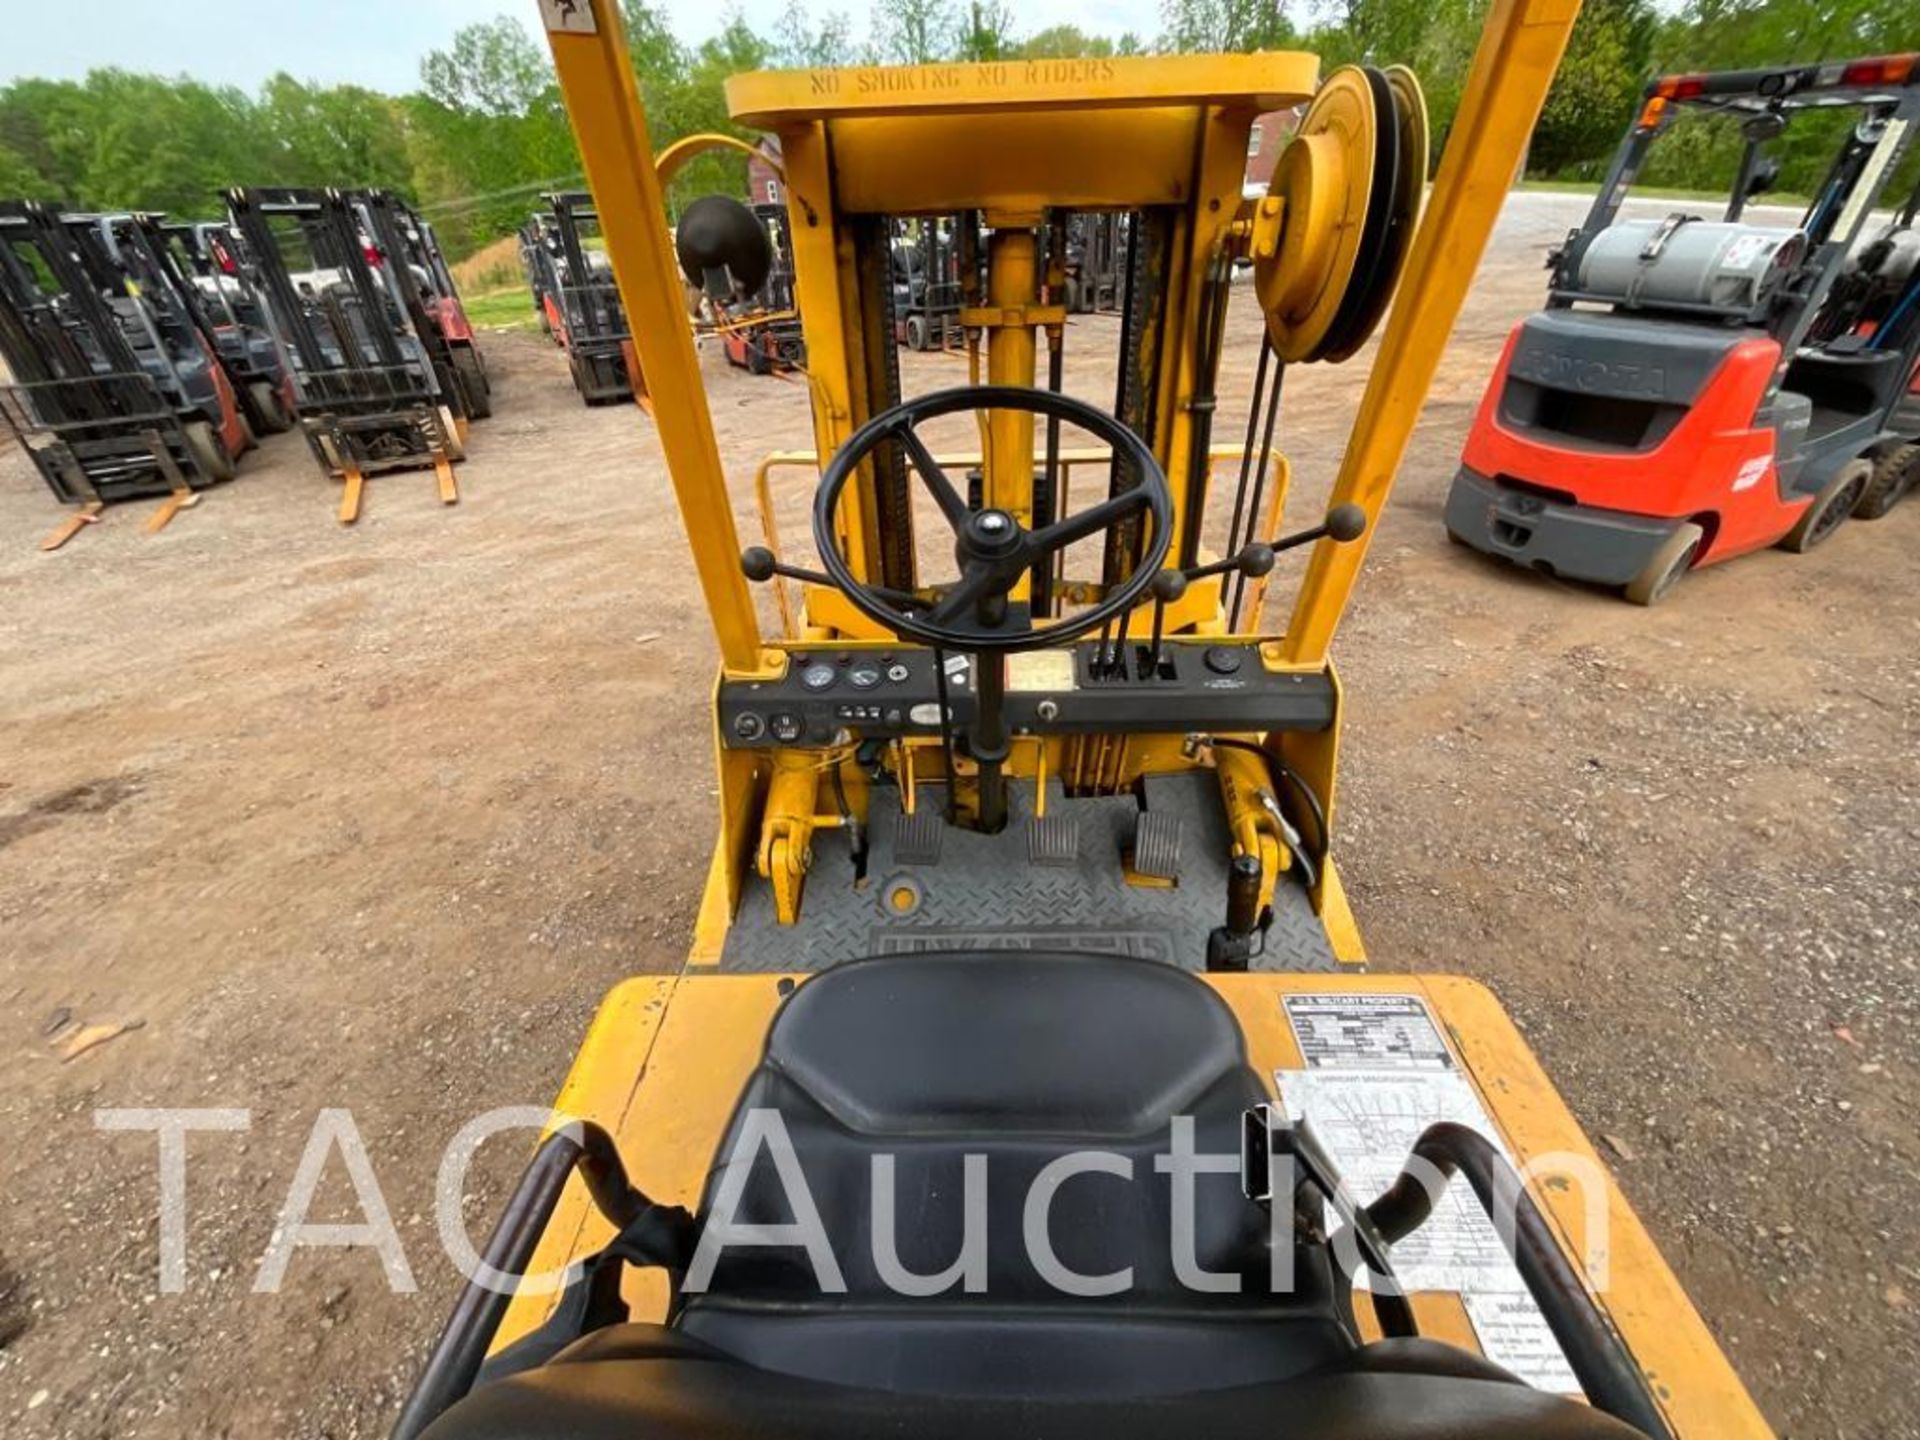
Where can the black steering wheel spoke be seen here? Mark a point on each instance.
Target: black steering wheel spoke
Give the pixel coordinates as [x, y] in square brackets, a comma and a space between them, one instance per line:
[1091, 521]
[995, 553]
[952, 503]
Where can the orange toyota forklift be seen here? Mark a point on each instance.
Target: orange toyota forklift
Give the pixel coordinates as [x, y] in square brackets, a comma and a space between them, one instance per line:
[1699, 388]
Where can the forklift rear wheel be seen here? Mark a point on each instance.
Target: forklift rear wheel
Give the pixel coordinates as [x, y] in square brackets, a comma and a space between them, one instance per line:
[473, 380]
[917, 334]
[210, 457]
[1830, 508]
[1671, 561]
[249, 437]
[1896, 474]
[266, 403]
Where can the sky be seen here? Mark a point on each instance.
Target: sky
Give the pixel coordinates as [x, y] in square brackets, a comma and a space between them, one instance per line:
[376, 43]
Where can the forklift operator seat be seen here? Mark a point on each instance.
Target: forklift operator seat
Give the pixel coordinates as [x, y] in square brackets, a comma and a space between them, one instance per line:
[1000, 1064]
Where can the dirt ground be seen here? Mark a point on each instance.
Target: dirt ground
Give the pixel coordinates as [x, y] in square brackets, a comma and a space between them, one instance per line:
[371, 817]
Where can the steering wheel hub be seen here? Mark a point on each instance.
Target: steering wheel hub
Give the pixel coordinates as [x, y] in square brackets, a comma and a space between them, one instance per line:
[990, 535]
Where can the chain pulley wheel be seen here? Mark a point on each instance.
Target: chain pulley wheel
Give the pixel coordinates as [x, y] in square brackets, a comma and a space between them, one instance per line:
[1384, 252]
[1325, 177]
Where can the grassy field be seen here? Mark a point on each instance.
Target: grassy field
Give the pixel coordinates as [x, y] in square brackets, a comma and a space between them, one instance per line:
[502, 309]
[1656, 192]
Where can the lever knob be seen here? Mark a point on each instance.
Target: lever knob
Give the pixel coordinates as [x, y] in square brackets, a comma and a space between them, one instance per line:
[758, 564]
[1168, 586]
[1256, 560]
[1346, 522]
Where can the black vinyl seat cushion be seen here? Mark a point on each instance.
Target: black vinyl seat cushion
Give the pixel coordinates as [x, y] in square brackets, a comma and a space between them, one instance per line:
[645, 1382]
[1020, 1059]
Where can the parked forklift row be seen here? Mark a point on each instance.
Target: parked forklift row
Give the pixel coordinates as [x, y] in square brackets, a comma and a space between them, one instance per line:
[145, 356]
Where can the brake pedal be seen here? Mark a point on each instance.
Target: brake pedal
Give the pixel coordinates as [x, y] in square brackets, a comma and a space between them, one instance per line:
[1053, 840]
[917, 837]
[1156, 846]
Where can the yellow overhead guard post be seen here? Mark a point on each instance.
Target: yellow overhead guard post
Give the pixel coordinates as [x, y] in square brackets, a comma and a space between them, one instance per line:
[1520, 50]
[596, 80]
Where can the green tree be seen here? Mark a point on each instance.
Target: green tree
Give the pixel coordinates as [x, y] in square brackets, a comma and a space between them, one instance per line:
[914, 32]
[334, 135]
[18, 177]
[492, 68]
[1225, 26]
[1601, 77]
[987, 32]
[804, 44]
[1063, 42]
[701, 106]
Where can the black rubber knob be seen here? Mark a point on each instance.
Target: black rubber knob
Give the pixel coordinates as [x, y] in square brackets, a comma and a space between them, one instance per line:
[1256, 560]
[757, 562]
[1168, 586]
[1346, 522]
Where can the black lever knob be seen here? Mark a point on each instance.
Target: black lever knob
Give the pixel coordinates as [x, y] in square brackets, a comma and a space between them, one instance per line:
[1341, 524]
[758, 564]
[1168, 586]
[1346, 522]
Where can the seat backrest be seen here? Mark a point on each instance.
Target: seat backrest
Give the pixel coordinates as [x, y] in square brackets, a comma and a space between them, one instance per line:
[1013, 1063]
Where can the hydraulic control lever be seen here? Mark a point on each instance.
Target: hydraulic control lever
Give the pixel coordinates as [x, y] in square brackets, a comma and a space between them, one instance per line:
[1341, 524]
[760, 565]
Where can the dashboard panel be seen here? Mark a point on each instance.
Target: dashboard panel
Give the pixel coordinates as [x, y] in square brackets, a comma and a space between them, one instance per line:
[830, 695]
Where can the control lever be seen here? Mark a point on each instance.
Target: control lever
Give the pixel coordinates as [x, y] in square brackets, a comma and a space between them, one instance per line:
[1169, 585]
[1342, 524]
[760, 565]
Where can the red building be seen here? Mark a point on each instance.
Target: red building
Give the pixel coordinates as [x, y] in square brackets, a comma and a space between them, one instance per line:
[1264, 144]
[763, 181]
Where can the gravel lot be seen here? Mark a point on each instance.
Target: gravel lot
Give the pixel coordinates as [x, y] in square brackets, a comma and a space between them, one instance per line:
[370, 818]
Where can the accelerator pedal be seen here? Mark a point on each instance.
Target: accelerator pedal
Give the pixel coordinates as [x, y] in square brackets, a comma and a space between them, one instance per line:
[917, 837]
[1053, 840]
[1155, 857]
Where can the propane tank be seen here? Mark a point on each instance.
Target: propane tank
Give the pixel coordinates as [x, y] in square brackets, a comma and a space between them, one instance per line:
[1682, 260]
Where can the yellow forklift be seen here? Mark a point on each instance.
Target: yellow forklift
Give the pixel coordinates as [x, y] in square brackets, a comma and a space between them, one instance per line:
[1026, 1075]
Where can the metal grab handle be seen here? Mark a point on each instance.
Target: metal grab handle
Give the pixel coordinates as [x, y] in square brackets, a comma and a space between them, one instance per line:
[462, 1347]
[1599, 1359]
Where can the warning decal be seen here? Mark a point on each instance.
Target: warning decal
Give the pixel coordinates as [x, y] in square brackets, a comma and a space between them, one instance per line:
[1513, 1334]
[1359, 1031]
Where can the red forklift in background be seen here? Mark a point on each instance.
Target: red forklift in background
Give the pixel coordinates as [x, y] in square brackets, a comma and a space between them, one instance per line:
[740, 260]
[539, 249]
[1697, 389]
[204, 260]
[373, 390]
[114, 394]
[584, 312]
[400, 233]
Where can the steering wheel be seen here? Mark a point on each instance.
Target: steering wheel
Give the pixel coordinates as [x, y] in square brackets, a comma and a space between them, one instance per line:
[994, 550]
